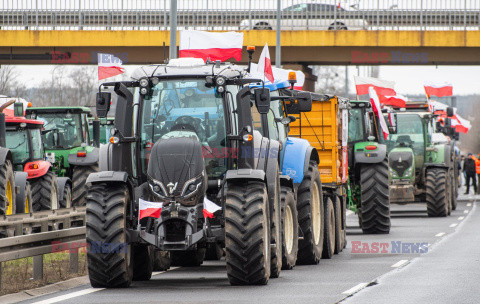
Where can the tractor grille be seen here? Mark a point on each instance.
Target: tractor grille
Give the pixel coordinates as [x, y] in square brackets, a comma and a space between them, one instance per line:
[400, 161]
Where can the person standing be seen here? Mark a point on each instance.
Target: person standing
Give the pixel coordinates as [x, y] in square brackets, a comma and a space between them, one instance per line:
[464, 173]
[470, 170]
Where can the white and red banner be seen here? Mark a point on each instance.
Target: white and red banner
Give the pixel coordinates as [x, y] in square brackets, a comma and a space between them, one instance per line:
[436, 106]
[216, 46]
[461, 124]
[382, 87]
[391, 119]
[209, 208]
[378, 111]
[281, 75]
[109, 66]
[395, 101]
[264, 66]
[438, 89]
[149, 209]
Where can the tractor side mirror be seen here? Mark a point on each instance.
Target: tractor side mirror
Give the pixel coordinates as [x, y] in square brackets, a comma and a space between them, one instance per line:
[448, 123]
[450, 112]
[262, 100]
[18, 109]
[304, 102]
[103, 103]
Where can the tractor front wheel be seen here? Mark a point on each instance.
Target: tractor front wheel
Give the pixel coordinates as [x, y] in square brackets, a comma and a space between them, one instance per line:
[7, 189]
[44, 191]
[79, 179]
[437, 192]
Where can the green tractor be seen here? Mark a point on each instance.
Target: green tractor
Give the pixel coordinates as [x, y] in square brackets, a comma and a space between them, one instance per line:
[368, 193]
[421, 166]
[68, 145]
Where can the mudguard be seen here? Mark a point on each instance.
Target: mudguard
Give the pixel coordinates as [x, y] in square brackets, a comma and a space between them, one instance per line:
[296, 157]
[104, 157]
[20, 184]
[61, 182]
[91, 158]
[4, 155]
[273, 169]
[286, 181]
[107, 176]
[371, 157]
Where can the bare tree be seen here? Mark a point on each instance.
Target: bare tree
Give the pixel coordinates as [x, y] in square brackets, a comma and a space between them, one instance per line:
[330, 79]
[84, 82]
[8, 76]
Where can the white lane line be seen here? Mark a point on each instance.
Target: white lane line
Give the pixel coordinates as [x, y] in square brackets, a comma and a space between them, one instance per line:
[461, 218]
[400, 263]
[69, 296]
[349, 212]
[160, 272]
[453, 225]
[469, 204]
[465, 211]
[440, 234]
[355, 289]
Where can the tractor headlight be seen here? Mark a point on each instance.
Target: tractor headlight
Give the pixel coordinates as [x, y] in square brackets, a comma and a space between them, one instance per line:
[143, 91]
[408, 172]
[220, 81]
[192, 186]
[143, 82]
[158, 188]
[393, 173]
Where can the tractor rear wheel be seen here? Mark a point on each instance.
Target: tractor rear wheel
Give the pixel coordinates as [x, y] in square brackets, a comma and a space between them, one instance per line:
[44, 190]
[276, 232]
[329, 239]
[374, 213]
[290, 229]
[66, 201]
[437, 192]
[79, 179]
[7, 189]
[310, 216]
[142, 262]
[188, 258]
[106, 226]
[247, 233]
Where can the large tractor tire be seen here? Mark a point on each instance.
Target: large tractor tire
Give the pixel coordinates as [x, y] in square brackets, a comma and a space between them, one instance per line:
[79, 180]
[247, 233]
[374, 213]
[161, 260]
[454, 194]
[329, 229]
[44, 191]
[188, 258]
[339, 227]
[7, 189]
[25, 206]
[290, 229]
[66, 201]
[437, 192]
[106, 223]
[142, 262]
[214, 252]
[310, 217]
[276, 232]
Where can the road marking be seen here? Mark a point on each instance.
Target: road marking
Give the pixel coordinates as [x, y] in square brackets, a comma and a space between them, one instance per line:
[69, 296]
[461, 218]
[469, 204]
[159, 272]
[400, 263]
[440, 234]
[453, 225]
[349, 212]
[355, 289]
[465, 211]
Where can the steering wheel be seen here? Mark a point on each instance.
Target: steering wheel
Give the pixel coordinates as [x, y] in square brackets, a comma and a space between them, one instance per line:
[183, 127]
[171, 102]
[189, 123]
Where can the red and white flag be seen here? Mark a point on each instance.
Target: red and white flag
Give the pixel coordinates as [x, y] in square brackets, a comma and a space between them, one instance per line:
[391, 119]
[109, 66]
[395, 101]
[281, 75]
[461, 124]
[264, 66]
[378, 111]
[382, 87]
[435, 106]
[209, 208]
[438, 89]
[216, 46]
[149, 209]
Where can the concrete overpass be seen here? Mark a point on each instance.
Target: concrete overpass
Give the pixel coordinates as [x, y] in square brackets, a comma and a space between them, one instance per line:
[298, 47]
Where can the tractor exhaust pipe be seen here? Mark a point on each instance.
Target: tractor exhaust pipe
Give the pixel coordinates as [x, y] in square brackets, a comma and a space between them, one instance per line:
[96, 133]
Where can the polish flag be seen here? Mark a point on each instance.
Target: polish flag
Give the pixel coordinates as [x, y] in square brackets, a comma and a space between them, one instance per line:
[280, 76]
[435, 106]
[149, 209]
[109, 66]
[216, 46]
[438, 89]
[264, 66]
[395, 101]
[209, 208]
[382, 87]
[391, 119]
[378, 111]
[461, 124]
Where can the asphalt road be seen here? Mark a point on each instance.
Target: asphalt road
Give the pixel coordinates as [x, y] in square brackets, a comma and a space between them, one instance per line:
[448, 270]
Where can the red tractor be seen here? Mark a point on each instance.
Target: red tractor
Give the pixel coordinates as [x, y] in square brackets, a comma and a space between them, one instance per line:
[24, 139]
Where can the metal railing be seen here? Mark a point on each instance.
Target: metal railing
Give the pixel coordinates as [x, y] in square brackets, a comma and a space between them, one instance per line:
[240, 14]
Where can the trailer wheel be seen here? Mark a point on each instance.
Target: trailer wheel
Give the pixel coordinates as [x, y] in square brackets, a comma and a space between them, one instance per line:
[339, 231]
[7, 189]
[310, 216]
[79, 180]
[142, 262]
[374, 213]
[247, 233]
[290, 229]
[454, 193]
[214, 252]
[188, 258]
[437, 192]
[276, 232]
[44, 190]
[161, 260]
[66, 202]
[329, 239]
[106, 224]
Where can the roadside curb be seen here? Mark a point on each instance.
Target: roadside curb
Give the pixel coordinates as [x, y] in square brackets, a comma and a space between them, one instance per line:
[44, 290]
